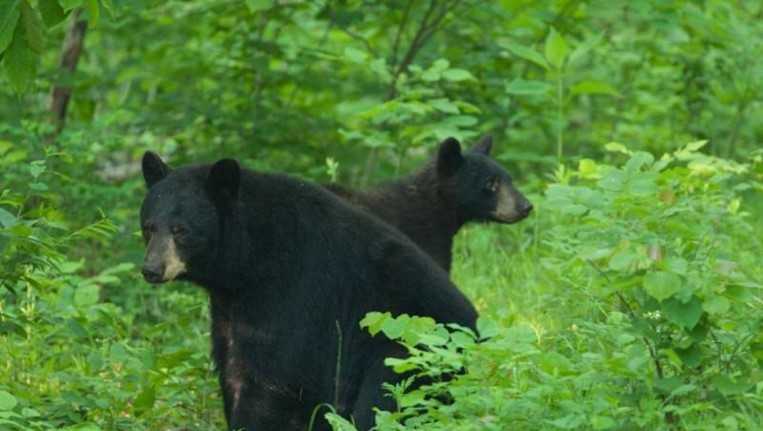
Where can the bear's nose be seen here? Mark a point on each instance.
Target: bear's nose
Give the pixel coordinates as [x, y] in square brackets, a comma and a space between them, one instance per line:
[526, 208]
[152, 275]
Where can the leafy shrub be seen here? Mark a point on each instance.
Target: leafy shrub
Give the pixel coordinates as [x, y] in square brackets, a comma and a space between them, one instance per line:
[658, 261]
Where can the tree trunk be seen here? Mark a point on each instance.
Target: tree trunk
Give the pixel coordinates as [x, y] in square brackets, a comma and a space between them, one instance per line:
[72, 49]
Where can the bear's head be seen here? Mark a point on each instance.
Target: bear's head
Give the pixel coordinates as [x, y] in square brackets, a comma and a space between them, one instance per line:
[476, 185]
[181, 217]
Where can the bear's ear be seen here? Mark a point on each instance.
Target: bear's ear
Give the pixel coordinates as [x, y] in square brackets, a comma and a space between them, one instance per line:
[223, 180]
[484, 146]
[449, 157]
[154, 169]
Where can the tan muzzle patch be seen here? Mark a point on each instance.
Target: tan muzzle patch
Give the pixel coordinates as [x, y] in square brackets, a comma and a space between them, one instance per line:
[173, 264]
[506, 207]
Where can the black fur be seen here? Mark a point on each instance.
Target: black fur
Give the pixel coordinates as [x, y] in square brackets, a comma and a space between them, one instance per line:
[432, 204]
[290, 270]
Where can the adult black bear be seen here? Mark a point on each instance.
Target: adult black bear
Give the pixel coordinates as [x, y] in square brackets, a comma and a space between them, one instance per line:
[431, 205]
[290, 270]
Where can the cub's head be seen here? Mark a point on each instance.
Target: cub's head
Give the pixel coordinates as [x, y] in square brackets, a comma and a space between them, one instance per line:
[180, 217]
[480, 188]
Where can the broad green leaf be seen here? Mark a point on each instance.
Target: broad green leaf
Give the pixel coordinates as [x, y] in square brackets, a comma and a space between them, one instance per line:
[676, 264]
[6, 219]
[457, 75]
[728, 386]
[602, 422]
[444, 105]
[486, 327]
[637, 161]
[145, 399]
[7, 401]
[51, 12]
[716, 305]
[661, 285]
[29, 413]
[33, 27]
[9, 16]
[355, 55]
[523, 87]
[695, 146]
[374, 321]
[683, 314]
[588, 169]
[556, 49]
[20, 61]
[616, 147]
[593, 87]
[86, 295]
[691, 356]
[623, 260]
[528, 54]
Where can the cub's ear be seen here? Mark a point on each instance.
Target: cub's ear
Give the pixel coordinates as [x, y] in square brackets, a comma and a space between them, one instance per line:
[484, 146]
[223, 181]
[154, 169]
[449, 157]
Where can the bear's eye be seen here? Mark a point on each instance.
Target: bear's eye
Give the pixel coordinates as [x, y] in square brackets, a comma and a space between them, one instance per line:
[147, 229]
[492, 185]
[178, 230]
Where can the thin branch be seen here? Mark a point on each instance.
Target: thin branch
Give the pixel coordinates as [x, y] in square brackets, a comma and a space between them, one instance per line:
[360, 38]
[400, 30]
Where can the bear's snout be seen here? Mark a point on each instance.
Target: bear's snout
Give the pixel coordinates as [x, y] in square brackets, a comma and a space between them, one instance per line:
[152, 273]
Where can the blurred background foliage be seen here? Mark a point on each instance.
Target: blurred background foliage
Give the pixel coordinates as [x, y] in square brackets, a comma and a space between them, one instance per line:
[362, 91]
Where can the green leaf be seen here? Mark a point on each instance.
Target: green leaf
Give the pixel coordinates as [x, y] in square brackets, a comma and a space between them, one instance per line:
[638, 160]
[32, 27]
[623, 260]
[86, 295]
[486, 327]
[145, 399]
[523, 87]
[683, 314]
[355, 55]
[374, 321]
[716, 305]
[691, 356]
[593, 87]
[7, 401]
[602, 422]
[9, 16]
[7, 219]
[556, 49]
[20, 62]
[444, 105]
[457, 75]
[51, 12]
[661, 285]
[616, 147]
[528, 54]
[728, 386]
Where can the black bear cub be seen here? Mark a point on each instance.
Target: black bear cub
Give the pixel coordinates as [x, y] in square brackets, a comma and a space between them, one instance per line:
[290, 270]
[431, 205]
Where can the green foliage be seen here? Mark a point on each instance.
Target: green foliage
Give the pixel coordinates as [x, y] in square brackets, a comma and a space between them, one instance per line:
[665, 329]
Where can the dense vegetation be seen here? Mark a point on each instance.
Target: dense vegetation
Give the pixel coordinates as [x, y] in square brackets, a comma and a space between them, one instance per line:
[631, 299]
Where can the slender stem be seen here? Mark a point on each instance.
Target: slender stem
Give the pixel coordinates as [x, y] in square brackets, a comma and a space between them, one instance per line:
[559, 117]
